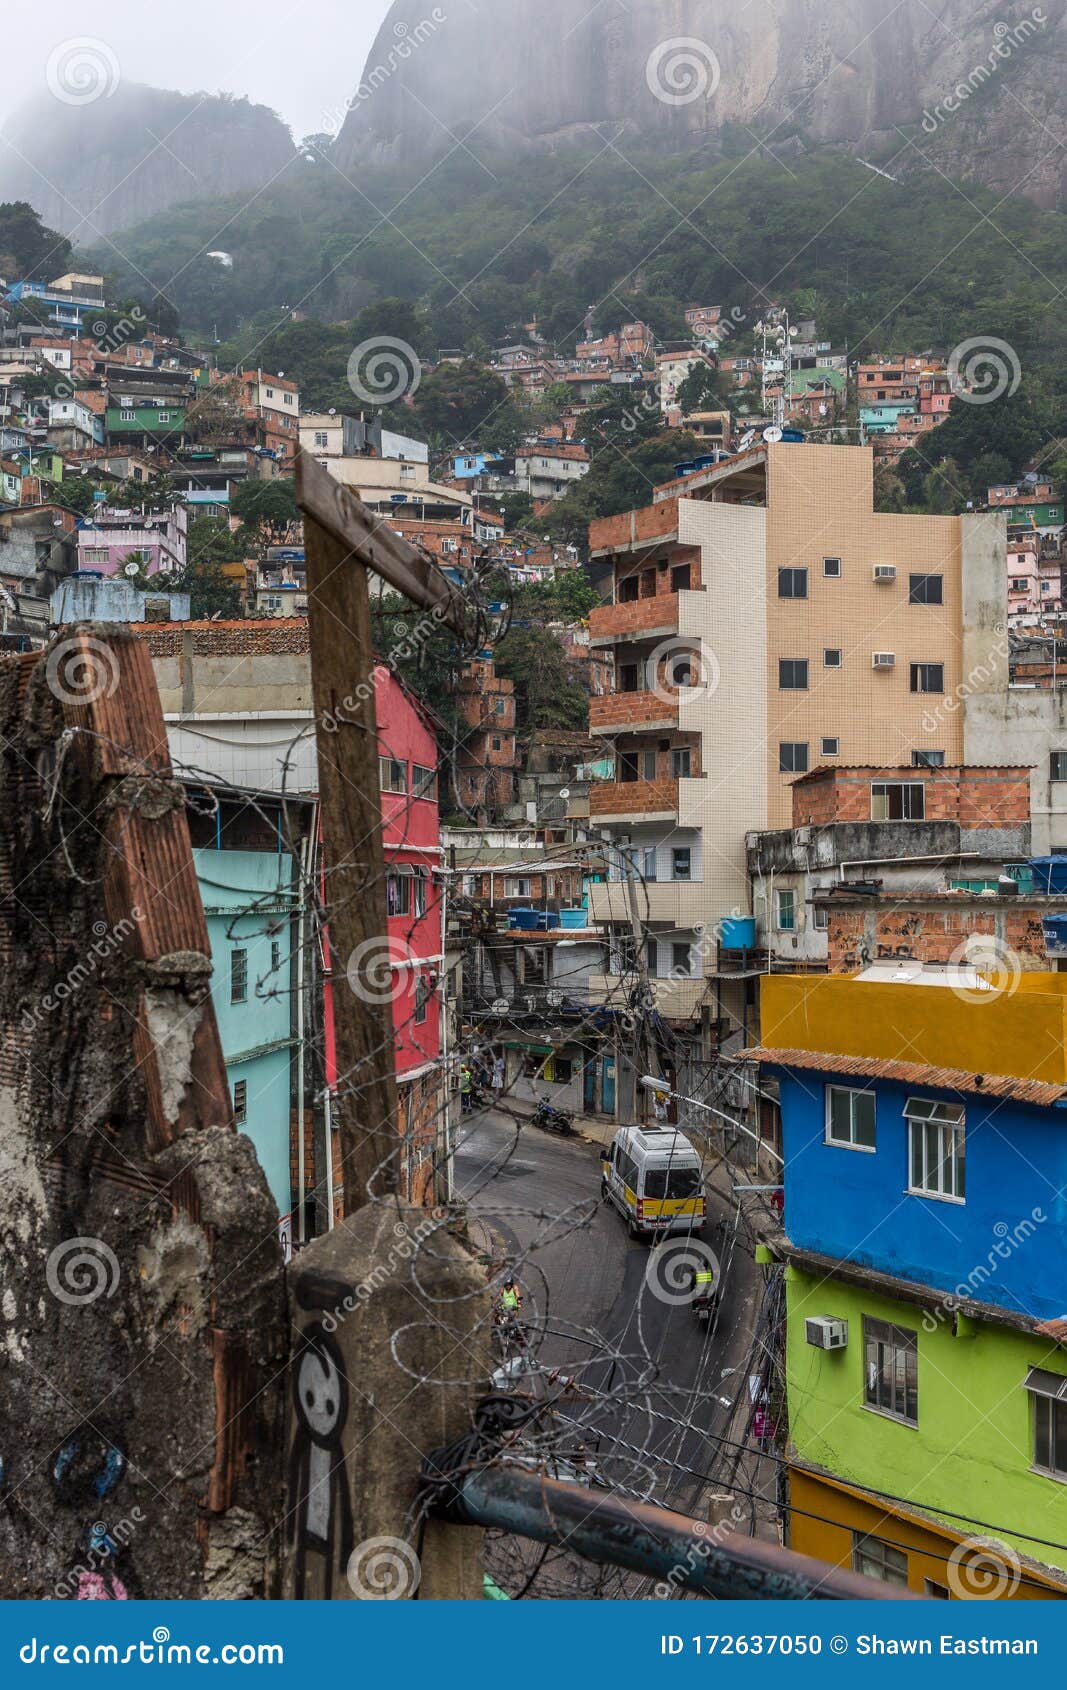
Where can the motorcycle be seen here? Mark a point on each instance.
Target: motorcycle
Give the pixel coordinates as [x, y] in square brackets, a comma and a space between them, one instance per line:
[705, 1303]
[553, 1120]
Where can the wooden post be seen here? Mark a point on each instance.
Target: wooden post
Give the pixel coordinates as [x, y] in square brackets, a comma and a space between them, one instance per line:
[346, 734]
[341, 540]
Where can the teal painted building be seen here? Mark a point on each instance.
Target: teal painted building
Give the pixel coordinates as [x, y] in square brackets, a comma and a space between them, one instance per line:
[249, 901]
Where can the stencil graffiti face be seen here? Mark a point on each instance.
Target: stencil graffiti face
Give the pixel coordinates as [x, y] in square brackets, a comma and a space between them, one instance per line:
[319, 1394]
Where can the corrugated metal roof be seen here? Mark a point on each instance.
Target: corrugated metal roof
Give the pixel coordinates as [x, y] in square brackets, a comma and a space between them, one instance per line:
[911, 1073]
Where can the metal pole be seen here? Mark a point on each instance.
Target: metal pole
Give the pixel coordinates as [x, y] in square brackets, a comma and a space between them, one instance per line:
[682, 1553]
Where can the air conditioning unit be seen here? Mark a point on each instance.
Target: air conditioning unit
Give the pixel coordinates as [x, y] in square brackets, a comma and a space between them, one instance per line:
[826, 1333]
[885, 572]
[883, 660]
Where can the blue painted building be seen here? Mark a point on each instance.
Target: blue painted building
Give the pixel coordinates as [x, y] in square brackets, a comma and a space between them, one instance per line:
[929, 1185]
[249, 900]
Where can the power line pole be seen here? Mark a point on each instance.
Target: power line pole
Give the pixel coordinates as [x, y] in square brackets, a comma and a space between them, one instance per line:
[342, 541]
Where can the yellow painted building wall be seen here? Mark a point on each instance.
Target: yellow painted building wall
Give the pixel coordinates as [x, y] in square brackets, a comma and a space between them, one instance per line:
[824, 1514]
[1021, 1030]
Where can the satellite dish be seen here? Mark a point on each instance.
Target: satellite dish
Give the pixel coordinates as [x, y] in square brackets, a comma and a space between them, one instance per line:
[566, 792]
[772, 436]
[500, 1006]
[132, 569]
[746, 440]
[554, 999]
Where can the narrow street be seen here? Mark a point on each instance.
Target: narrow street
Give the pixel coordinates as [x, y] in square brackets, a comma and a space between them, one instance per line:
[665, 1382]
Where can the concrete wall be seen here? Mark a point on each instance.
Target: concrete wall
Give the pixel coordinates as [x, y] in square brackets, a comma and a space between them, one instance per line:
[727, 619]
[1024, 725]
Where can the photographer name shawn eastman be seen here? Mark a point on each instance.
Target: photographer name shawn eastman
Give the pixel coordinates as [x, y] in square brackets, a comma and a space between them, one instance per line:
[946, 1644]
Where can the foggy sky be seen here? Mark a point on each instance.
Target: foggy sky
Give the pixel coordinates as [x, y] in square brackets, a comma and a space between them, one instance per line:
[303, 60]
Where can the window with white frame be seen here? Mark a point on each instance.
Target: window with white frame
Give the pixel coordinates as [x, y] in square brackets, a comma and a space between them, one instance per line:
[876, 1559]
[891, 1370]
[398, 891]
[1048, 1396]
[785, 909]
[935, 1148]
[820, 918]
[393, 775]
[850, 1116]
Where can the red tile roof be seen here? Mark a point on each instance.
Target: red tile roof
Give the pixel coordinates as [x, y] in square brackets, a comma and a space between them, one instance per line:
[911, 1073]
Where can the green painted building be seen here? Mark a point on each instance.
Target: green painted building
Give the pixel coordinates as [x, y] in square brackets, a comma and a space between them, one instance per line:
[968, 1454]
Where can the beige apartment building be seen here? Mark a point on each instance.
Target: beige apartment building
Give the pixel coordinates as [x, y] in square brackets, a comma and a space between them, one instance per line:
[765, 621]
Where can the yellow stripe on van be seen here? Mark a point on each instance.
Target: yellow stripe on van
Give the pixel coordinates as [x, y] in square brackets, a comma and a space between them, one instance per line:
[662, 1208]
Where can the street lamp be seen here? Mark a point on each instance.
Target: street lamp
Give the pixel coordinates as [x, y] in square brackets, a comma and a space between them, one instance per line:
[661, 1090]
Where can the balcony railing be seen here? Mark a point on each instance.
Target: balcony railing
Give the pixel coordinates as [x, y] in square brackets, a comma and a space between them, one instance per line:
[611, 622]
[633, 712]
[670, 901]
[629, 800]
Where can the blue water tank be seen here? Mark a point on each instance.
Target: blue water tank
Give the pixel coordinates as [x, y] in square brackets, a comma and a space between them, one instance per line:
[739, 933]
[573, 918]
[1050, 874]
[527, 921]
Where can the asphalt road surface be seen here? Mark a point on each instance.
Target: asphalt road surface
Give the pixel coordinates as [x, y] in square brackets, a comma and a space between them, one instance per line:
[654, 1384]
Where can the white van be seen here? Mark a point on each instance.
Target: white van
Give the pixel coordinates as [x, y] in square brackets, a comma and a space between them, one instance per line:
[654, 1177]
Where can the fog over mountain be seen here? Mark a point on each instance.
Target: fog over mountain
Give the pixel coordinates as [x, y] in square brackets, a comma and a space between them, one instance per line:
[94, 168]
[527, 74]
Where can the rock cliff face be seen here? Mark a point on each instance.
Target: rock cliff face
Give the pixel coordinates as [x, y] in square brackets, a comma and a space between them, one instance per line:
[105, 165]
[544, 73]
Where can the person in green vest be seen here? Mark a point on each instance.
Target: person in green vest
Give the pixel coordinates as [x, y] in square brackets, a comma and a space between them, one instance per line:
[465, 1081]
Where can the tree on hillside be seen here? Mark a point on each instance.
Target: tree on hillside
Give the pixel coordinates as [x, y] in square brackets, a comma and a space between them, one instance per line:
[1011, 429]
[704, 389]
[545, 694]
[466, 404]
[29, 251]
[210, 545]
[266, 509]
